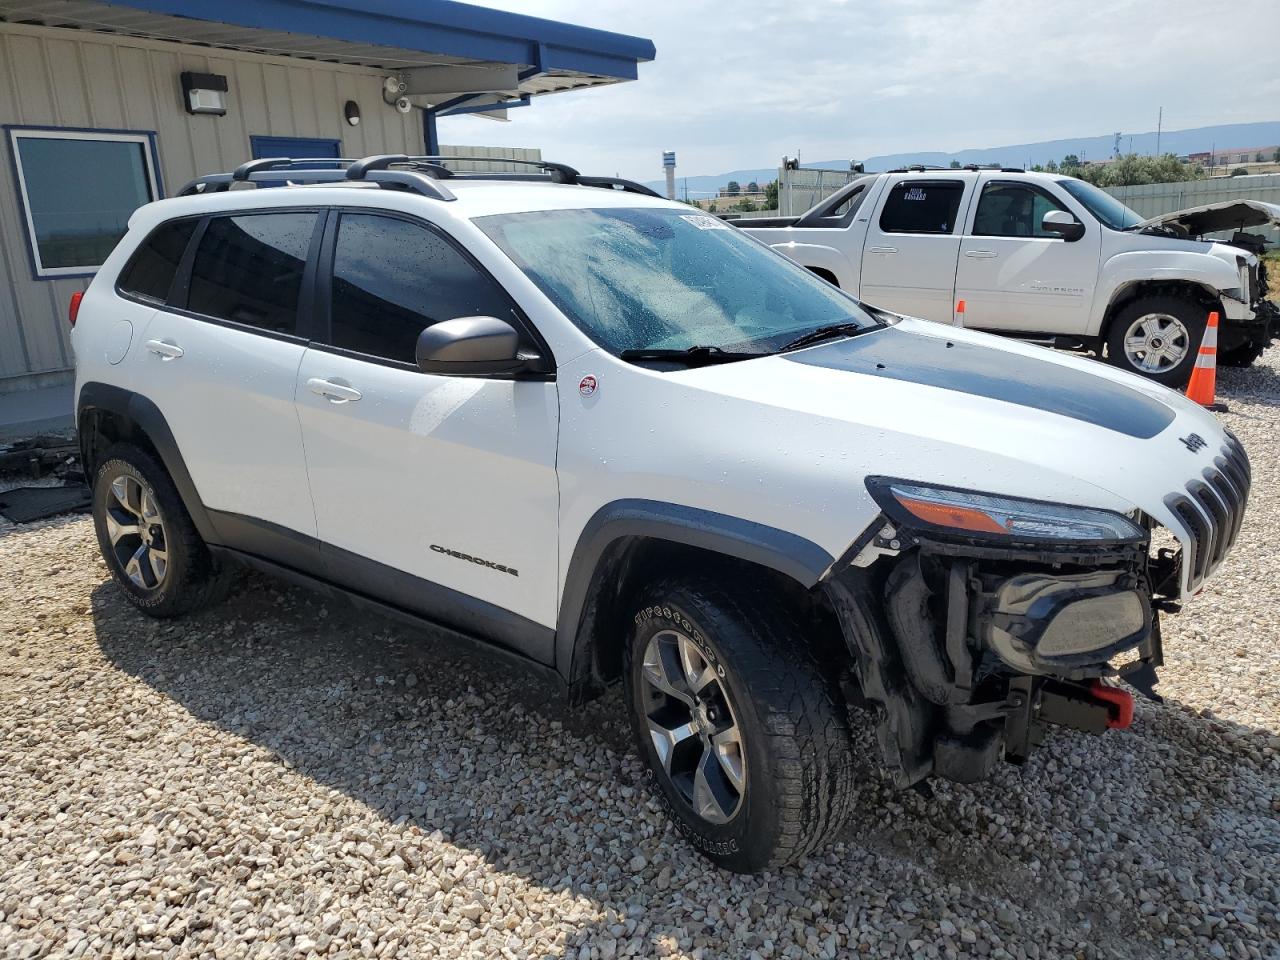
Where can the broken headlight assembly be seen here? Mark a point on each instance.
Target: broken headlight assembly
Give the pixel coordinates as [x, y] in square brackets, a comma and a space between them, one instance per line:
[949, 512]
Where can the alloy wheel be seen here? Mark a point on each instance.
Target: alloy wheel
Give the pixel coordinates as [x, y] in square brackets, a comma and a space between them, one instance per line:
[136, 532]
[1156, 343]
[693, 728]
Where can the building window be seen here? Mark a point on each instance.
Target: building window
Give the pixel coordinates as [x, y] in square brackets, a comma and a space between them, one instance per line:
[78, 191]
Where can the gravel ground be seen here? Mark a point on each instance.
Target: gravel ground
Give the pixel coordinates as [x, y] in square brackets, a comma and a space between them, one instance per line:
[278, 777]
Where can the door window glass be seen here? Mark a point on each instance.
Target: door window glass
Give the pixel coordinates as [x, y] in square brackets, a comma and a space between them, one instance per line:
[248, 269]
[922, 206]
[78, 191]
[151, 271]
[393, 278]
[1013, 210]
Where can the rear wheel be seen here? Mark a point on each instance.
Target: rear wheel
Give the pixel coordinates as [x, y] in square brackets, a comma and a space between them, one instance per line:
[147, 538]
[1157, 337]
[746, 738]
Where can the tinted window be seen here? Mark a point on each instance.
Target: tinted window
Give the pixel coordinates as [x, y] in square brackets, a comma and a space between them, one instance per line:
[150, 273]
[79, 190]
[1013, 210]
[392, 278]
[249, 269]
[922, 207]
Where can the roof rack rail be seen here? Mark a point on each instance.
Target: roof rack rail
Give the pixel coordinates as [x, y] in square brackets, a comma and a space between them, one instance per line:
[418, 173]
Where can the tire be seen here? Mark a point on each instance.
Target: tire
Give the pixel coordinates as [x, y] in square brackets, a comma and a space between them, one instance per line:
[1171, 324]
[792, 750]
[1241, 356]
[173, 572]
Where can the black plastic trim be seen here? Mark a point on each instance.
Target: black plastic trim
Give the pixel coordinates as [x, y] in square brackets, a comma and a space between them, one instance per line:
[359, 575]
[788, 553]
[146, 416]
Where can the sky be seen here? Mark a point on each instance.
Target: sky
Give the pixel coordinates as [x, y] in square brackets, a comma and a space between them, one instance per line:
[739, 85]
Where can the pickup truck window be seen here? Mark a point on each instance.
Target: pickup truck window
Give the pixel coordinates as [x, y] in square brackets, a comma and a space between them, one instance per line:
[654, 278]
[1013, 210]
[922, 206]
[1101, 204]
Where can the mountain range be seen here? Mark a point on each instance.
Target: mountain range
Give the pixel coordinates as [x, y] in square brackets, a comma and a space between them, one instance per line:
[1181, 142]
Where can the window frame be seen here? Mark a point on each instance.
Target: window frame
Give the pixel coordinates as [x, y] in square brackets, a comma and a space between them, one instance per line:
[956, 226]
[323, 297]
[305, 324]
[1025, 185]
[16, 132]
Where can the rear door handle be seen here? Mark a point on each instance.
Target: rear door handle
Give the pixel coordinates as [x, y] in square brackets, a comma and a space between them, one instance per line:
[165, 349]
[980, 254]
[333, 391]
[884, 249]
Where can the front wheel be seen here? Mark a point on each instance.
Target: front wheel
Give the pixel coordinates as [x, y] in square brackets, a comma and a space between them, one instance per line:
[745, 735]
[1157, 337]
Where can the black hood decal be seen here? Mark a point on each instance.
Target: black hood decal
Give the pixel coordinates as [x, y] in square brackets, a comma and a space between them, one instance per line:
[985, 372]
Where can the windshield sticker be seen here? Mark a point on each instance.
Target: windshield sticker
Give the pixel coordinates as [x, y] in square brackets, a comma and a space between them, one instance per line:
[704, 222]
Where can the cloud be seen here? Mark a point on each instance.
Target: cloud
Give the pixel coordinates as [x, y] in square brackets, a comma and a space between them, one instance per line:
[738, 86]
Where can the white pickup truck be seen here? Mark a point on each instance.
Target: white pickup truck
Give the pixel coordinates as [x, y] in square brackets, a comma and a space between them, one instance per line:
[1045, 258]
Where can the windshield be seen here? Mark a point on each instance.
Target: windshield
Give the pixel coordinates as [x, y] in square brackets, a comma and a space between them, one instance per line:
[1101, 204]
[655, 278]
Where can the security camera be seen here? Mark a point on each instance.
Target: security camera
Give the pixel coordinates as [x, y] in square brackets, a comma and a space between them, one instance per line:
[404, 104]
[394, 87]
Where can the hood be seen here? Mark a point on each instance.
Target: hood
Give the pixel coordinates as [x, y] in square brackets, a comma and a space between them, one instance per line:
[938, 404]
[1214, 217]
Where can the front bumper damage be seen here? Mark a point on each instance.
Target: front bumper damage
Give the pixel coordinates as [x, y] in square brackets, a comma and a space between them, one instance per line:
[971, 651]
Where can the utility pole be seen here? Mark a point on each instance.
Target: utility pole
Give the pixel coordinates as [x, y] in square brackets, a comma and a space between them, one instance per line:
[1159, 127]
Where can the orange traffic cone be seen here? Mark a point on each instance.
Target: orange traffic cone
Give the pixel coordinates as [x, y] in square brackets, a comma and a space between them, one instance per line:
[1204, 375]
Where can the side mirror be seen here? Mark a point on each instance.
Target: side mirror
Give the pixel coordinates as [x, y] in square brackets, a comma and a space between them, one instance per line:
[475, 346]
[1063, 224]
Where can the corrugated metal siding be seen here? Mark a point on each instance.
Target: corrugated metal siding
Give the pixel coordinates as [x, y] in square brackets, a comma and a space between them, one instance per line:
[1153, 199]
[65, 78]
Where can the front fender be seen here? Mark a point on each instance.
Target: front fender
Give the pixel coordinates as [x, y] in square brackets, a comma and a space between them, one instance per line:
[788, 553]
[1166, 266]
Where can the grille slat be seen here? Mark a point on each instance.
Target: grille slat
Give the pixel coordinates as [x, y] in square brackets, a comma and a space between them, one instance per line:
[1212, 510]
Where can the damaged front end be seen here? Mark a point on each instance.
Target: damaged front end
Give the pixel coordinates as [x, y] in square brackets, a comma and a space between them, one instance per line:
[976, 621]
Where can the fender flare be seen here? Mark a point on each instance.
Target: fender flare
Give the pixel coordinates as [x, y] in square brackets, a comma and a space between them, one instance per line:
[787, 553]
[145, 416]
[828, 258]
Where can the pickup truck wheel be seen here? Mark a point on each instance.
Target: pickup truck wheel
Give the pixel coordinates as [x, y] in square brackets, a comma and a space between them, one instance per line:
[147, 538]
[1157, 337]
[746, 738]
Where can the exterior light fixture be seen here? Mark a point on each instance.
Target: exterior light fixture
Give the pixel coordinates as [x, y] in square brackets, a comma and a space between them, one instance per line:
[351, 110]
[205, 93]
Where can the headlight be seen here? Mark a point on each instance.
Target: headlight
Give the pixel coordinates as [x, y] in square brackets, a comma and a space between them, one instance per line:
[984, 515]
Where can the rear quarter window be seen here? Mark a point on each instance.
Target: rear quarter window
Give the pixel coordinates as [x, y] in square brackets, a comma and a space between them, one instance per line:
[921, 206]
[149, 274]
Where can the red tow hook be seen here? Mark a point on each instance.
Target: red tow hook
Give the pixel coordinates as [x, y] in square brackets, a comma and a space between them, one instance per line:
[1120, 704]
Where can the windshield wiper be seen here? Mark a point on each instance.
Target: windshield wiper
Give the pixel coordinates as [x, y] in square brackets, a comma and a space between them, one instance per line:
[697, 356]
[846, 329]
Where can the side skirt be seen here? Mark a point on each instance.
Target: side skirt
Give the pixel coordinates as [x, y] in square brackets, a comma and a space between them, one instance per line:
[542, 672]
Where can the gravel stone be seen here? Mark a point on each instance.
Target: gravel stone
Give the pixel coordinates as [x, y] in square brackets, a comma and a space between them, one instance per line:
[276, 777]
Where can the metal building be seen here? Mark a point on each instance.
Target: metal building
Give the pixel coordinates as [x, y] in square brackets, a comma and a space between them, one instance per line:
[105, 106]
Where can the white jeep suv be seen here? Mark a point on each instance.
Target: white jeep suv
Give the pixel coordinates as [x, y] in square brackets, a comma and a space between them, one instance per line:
[620, 441]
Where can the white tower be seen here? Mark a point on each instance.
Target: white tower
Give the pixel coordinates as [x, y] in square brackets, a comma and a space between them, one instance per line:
[669, 166]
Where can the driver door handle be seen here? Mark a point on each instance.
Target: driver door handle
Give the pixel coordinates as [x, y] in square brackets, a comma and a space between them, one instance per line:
[333, 391]
[165, 349]
[980, 254]
[884, 249]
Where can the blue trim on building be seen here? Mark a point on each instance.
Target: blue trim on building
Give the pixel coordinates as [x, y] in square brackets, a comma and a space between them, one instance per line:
[30, 241]
[430, 26]
[483, 107]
